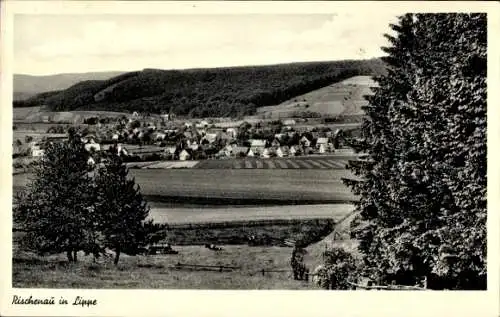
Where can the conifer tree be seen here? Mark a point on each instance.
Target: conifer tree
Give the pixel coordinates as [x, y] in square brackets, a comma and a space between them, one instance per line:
[122, 208]
[54, 209]
[423, 188]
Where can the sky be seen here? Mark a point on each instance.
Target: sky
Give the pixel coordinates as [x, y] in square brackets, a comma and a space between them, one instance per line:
[50, 44]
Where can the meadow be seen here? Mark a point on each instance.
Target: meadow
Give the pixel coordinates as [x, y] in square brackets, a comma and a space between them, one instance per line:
[242, 186]
[189, 213]
[344, 98]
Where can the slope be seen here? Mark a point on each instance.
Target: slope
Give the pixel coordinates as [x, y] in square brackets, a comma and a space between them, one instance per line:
[216, 92]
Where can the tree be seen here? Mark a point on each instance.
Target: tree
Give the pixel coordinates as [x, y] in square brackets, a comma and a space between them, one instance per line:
[122, 209]
[54, 209]
[423, 188]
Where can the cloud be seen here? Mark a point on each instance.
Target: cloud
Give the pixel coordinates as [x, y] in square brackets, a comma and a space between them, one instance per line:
[180, 42]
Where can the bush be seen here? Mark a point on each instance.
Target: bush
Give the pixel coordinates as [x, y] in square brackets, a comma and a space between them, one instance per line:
[339, 268]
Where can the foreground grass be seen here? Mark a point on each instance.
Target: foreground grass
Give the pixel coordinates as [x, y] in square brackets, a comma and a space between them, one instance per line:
[155, 272]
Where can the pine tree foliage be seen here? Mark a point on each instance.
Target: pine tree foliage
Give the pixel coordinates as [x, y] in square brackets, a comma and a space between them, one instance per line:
[423, 195]
[70, 206]
[54, 209]
[123, 210]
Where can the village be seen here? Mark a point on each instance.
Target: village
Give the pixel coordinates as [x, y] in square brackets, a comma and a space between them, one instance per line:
[142, 138]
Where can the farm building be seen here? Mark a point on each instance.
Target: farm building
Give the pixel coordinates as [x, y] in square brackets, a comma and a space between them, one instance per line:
[321, 141]
[257, 146]
[251, 153]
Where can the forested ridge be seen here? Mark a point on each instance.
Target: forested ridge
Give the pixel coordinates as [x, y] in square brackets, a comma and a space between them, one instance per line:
[222, 92]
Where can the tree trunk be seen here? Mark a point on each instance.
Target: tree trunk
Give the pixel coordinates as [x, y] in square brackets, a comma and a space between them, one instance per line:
[117, 256]
[75, 258]
[69, 255]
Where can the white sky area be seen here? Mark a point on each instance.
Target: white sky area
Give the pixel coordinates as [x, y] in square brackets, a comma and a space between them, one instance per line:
[50, 44]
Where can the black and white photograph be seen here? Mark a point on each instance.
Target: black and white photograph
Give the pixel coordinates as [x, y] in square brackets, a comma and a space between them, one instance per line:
[338, 150]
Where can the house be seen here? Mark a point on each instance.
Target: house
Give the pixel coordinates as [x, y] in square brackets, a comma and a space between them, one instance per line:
[275, 143]
[266, 153]
[170, 150]
[305, 141]
[257, 146]
[321, 141]
[92, 146]
[240, 151]
[232, 131]
[289, 122]
[184, 155]
[282, 151]
[36, 151]
[194, 146]
[251, 153]
[135, 114]
[293, 150]
[209, 137]
[323, 148]
[115, 137]
[160, 136]
[188, 124]
[91, 161]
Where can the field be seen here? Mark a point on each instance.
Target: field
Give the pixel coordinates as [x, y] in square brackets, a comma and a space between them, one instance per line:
[237, 186]
[344, 98]
[245, 186]
[182, 213]
[39, 114]
[306, 162]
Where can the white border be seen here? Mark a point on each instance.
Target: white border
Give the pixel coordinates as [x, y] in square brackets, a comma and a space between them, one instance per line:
[250, 303]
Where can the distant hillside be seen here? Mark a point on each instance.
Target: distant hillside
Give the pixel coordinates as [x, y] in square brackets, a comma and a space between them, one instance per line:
[216, 92]
[26, 86]
[342, 99]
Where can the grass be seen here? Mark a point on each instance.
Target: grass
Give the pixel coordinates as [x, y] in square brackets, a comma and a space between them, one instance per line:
[154, 272]
[340, 99]
[190, 213]
[244, 186]
[237, 186]
[271, 231]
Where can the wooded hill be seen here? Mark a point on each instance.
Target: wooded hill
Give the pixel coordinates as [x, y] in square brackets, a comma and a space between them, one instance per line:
[216, 92]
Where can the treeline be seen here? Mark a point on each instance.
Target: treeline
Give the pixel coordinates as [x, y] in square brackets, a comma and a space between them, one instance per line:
[219, 92]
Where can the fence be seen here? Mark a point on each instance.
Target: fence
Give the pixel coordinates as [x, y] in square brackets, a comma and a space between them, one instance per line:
[387, 288]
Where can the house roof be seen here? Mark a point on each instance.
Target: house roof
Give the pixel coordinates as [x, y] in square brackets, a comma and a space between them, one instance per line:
[322, 141]
[239, 149]
[256, 142]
